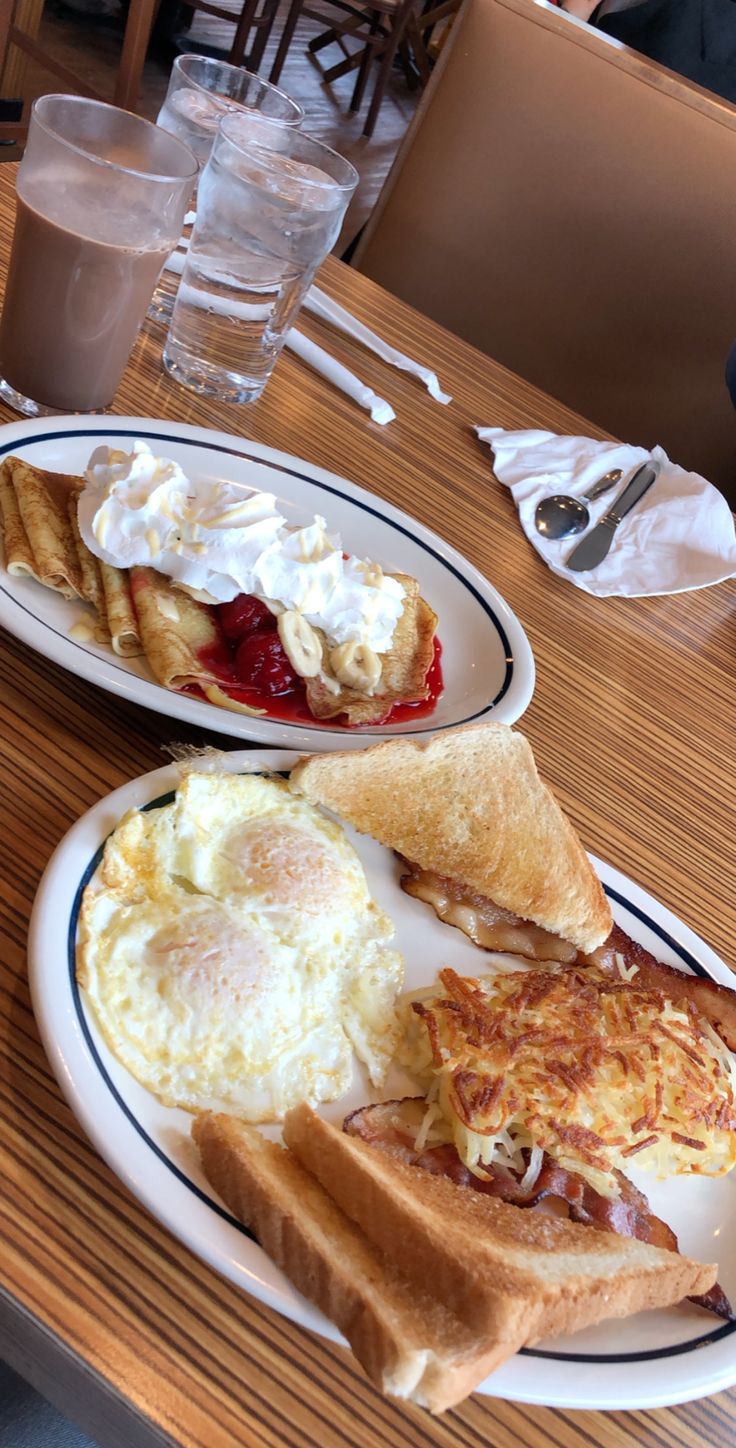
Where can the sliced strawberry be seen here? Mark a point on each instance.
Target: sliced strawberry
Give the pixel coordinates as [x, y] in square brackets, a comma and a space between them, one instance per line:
[261, 664]
[243, 615]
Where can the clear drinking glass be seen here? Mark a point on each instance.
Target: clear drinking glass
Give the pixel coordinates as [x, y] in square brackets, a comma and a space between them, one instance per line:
[202, 90]
[101, 196]
[270, 207]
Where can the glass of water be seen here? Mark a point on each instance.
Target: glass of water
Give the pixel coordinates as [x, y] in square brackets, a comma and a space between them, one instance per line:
[270, 207]
[201, 91]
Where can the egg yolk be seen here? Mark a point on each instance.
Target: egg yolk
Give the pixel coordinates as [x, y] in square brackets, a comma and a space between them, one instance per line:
[288, 866]
[203, 959]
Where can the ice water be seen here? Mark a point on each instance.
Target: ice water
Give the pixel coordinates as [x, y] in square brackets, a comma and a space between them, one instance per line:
[193, 116]
[260, 235]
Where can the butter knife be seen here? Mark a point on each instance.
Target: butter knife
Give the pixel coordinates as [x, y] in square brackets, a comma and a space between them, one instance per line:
[595, 545]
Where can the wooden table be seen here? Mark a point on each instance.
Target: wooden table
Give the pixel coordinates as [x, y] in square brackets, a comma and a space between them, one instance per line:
[631, 723]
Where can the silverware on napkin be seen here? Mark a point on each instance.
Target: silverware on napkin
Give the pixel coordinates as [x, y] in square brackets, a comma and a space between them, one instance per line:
[595, 545]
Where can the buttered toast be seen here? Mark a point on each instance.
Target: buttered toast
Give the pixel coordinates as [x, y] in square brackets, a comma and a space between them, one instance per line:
[469, 806]
[433, 1286]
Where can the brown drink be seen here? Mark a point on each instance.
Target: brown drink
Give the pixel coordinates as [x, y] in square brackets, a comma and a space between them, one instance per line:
[101, 196]
[72, 311]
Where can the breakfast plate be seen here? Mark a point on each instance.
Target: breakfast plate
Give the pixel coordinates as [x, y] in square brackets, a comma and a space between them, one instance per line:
[487, 663]
[650, 1360]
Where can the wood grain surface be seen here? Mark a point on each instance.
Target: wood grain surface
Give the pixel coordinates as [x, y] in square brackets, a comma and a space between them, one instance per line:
[631, 722]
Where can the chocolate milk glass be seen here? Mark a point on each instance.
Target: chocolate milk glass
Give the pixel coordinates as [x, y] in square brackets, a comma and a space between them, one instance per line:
[94, 226]
[72, 311]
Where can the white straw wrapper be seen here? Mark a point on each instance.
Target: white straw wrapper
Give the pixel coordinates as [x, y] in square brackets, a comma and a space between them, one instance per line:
[322, 306]
[380, 410]
[175, 263]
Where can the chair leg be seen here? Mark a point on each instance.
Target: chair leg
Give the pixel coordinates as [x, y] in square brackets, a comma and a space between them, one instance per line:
[264, 26]
[236, 53]
[370, 50]
[138, 27]
[387, 55]
[285, 41]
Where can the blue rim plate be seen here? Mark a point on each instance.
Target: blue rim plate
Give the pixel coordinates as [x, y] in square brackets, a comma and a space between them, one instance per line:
[487, 662]
[651, 1360]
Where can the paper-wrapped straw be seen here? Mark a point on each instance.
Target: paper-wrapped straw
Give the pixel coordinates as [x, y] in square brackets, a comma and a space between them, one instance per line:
[380, 410]
[322, 306]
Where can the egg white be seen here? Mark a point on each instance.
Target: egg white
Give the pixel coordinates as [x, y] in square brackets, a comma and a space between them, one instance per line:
[232, 954]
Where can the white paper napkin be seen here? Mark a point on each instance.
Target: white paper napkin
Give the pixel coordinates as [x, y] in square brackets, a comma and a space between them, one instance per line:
[679, 536]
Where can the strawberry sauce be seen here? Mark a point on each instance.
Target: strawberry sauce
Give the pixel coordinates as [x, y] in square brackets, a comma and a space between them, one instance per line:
[285, 696]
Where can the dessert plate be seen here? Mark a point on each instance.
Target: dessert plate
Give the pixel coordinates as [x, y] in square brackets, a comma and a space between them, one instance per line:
[487, 663]
[647, 1361]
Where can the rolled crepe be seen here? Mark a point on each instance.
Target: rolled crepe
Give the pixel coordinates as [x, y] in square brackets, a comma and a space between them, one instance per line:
[122, 619]
[181, 639]
[89, 568]
[403, 673]
[39, 542]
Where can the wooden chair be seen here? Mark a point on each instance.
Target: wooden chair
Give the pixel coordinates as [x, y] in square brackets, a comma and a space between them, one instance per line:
[568, 206]
[255, 20]
[379, 29]
[139, 24]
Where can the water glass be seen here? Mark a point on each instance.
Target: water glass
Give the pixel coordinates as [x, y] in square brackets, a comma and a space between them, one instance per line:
[101, 196]
[201, 91]
[271, 204]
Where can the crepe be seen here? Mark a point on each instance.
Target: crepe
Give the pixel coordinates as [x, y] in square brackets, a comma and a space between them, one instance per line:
[39, 542]
[180, 637]
[89, 568]
[404, 672]
[122, 621]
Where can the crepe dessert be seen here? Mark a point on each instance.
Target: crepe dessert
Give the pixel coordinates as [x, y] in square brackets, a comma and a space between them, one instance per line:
[42, 541]
[223, 598]
[39, 542]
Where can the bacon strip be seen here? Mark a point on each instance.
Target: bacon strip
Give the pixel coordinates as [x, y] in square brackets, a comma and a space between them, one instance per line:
[492, 928]
[482, 920]
[716, 1002]
[392, 1126]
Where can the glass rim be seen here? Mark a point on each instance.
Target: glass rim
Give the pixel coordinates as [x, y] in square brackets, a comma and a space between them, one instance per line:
[246, 147]
[266, 84]
[138, 172]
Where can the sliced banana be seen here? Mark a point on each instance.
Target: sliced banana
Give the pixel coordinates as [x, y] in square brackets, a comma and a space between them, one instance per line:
[373, 575]
[356, 666]
[301, 642]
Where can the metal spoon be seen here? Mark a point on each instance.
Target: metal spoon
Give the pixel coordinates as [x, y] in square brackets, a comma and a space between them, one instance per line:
[560, 516]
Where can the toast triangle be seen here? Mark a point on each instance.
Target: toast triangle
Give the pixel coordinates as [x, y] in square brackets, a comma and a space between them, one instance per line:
[469, 804]
[498, 1268]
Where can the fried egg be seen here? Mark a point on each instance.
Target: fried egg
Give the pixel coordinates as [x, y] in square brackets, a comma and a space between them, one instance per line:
[232, 954]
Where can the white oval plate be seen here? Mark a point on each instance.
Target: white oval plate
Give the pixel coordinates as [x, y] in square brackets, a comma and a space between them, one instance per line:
[647, 1361]
[487, 663]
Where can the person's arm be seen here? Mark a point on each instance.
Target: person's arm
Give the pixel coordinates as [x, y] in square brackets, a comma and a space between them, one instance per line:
[582, 8]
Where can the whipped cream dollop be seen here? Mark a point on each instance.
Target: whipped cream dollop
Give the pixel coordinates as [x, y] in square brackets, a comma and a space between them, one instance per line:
[219, 539]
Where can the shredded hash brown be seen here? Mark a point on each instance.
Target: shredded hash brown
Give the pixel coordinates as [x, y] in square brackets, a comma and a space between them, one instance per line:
[592, 1070]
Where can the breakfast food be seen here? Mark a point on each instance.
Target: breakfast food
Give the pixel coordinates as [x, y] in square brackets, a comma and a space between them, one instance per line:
[548, 1082]
[433, 1286]
[234, 960]
[483, 841]
[224, 598]
[37, 533]
[488, 843]
[569, 1064]
[232, 954]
